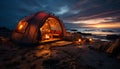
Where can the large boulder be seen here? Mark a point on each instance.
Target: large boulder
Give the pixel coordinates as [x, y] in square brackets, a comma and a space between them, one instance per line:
[114, 49]
[112, 37]
[105, 45]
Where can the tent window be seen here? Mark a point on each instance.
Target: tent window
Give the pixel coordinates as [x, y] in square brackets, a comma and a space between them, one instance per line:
[45, 30]
[55, 26]
[21, 26]
[51, 29]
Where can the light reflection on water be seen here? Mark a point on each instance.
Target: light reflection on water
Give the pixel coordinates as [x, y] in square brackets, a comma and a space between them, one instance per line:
[99, 31]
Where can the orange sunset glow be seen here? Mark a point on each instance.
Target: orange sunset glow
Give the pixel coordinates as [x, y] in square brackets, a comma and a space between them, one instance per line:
[111, 25]
[105, 22]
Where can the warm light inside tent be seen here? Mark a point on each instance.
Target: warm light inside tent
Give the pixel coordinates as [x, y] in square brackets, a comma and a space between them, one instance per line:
[20, 27]
[51, 29]
[47, 36]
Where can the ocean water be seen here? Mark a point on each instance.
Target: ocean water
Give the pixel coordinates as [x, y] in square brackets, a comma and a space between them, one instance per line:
[99, 31]
[94, 31]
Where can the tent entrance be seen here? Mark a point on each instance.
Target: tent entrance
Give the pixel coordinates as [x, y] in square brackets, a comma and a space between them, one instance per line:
[51, 29]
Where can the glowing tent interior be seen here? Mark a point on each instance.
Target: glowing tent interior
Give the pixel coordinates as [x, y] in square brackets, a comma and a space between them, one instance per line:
[40, 26]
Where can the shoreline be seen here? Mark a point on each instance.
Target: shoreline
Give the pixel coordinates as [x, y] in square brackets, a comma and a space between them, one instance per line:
[102, 37]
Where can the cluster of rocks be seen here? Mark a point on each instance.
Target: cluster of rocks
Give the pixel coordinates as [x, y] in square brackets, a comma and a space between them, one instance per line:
[111, 48]
[112, 37]
[5, 32]
[75, 36]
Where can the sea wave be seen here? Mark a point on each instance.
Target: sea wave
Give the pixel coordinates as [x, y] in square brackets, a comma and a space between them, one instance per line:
[99, 31]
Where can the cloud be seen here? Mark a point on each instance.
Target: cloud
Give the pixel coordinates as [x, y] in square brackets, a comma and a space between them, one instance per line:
[94, 21]
[70, 11]
[62, 10]
[104, 17]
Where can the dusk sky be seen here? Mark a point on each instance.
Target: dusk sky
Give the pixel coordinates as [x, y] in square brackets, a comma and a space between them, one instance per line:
[86, 13]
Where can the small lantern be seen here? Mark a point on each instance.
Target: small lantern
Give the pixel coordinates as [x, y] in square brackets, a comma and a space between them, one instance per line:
[79, 40]
[90, 39]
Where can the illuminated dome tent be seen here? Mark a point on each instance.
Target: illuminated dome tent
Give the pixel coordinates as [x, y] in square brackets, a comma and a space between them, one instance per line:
[39, 27]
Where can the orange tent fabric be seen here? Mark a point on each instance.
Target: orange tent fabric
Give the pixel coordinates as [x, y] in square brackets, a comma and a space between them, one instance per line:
[28, 29]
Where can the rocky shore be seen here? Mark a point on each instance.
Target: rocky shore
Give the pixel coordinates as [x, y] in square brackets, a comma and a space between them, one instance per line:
[111, 48]
[60, 54]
